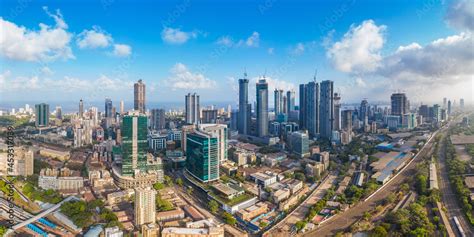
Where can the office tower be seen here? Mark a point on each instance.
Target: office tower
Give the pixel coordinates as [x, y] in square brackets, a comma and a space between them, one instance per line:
[399, 104]
[134, 143]
[444, 102]
[234, 120]
[185, 130]
[262, 108]
[81, 108]
[59, 112]
[220, 132]
[193, 110]
[424, 111]
[449, 107]
[202, 158]
[139, 96]
[158, 121]
[326, 117]
[209, 116]
[299, 143]
[461, 104]
[122, 108]
[285, 105]
[42, 115]
[436, 113]
[337, 112]
[145, 206]
[278, 101]
[312, 104]
[290, 97]
[364, 112]
[302, 107]
[347, 120]
[244, 116]
[108, 108]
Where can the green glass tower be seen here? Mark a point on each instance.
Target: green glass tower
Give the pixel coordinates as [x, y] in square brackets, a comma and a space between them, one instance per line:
[42, 115]
[134, 144]
[202, 156]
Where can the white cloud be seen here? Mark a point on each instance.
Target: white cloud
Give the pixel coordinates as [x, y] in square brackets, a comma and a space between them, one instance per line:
[122, 50]
[273, 83]
[298, 49]
[182, 78]
[359, 50]
[271, 51]
[225, 40]
[460, 14]
[253, 40]
[47, 71]
[176, 36]
[446, 60]
[94, 38]
[38, 84]
[46, 44]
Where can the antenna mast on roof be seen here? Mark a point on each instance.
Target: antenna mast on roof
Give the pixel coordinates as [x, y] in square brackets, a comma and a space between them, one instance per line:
[315, 75]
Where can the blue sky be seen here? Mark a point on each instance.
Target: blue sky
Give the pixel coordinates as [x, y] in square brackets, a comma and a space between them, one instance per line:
[97, 49]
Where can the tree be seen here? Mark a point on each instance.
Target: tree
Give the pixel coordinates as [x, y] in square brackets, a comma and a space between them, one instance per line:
[213, 206]
[163, 205]
[366, 215]
[378, 231]
[300, 176]
[179, 182]
[158, 186]
[168, 180]
[263, 224]
[421, 184]
[299, 225]
[229, 219]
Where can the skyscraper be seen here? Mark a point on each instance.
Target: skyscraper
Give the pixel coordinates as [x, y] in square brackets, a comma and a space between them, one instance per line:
[158, 121]
[461, 103]
[290, 97]
[139, 96]
[220, 132]
[302, 107]
[262, 108]
[134, 143]
[244, 117]
[449, 107]
[145, 206]
[347, 120]
[337, 111]
[193, 110]
[41, 115]
[202, 156]
[312, 104]
[399, 104]
[81, 108]
[326, 112]
[278, 101]
[364, 112]
[122, 108]
[108, 108]
[59, 112]
[445, 100]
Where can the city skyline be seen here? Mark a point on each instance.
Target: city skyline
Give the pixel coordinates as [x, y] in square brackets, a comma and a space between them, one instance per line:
[351, 43]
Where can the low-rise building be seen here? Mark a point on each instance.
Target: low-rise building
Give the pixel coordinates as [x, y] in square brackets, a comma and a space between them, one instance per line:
[170, 215]
[252, 211]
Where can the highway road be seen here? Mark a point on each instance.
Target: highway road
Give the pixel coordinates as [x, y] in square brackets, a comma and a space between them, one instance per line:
[344, 220]
[449, 198]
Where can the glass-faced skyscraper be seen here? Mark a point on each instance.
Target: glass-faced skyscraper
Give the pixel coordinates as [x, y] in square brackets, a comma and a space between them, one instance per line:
[399, 104]
[134, 144]
[41, 115]
[262, 108]
[326, 109]
[108, 108]
[244, 116]
[193, 111]
[81, 108]
[202, 156]
[309, 107]
[139, 96]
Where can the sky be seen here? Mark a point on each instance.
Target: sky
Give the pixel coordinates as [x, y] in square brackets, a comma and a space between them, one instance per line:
[58, 51]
